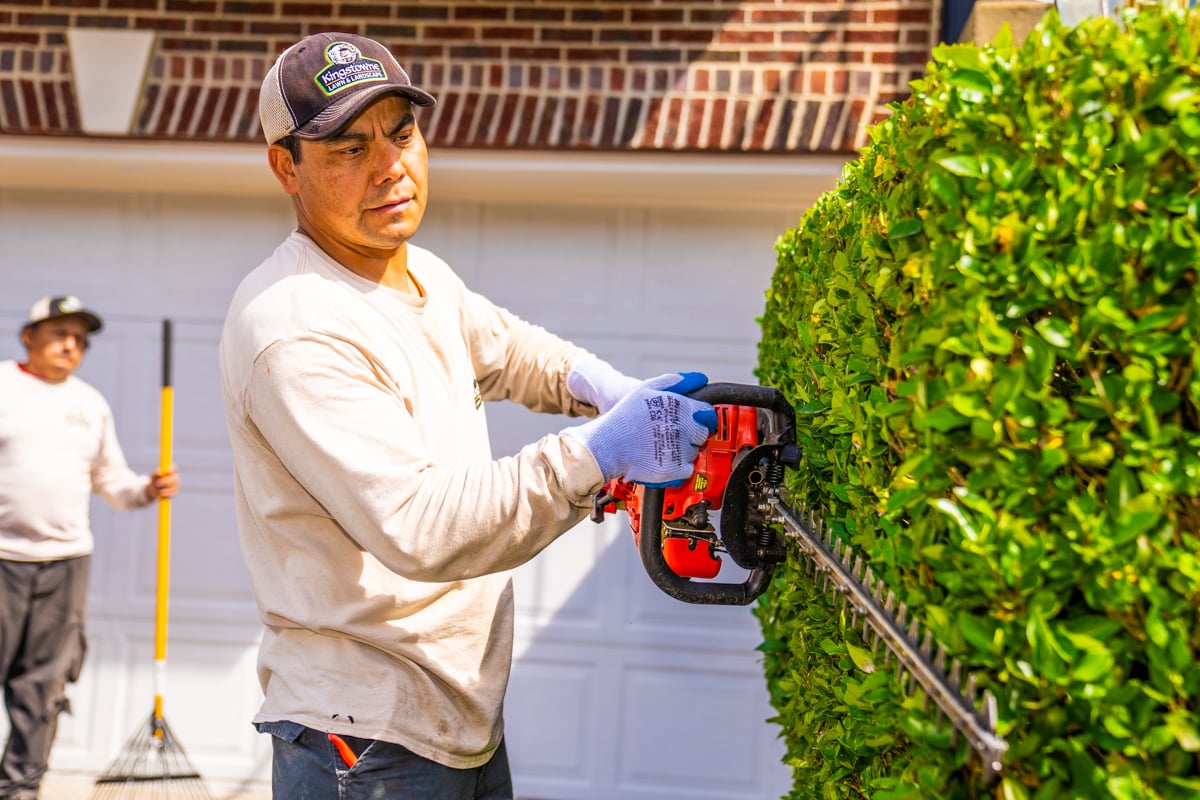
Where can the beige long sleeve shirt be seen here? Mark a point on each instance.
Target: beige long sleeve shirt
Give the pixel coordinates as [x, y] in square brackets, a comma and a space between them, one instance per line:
[375, 524]
[58, 445]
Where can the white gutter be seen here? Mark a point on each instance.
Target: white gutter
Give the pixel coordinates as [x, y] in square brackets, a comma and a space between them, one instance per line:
[638, 179]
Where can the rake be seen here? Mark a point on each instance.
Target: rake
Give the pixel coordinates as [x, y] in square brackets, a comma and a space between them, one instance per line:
[152, 763]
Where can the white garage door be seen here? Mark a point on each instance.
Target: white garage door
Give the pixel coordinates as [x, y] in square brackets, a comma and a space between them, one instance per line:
[618, 692]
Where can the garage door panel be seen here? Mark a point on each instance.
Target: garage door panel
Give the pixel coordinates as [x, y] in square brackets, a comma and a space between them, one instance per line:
[720, 266]
[690, 733]
[654, 724]
[207, 577]
[553, 746]
[202, 250]
[209, 683]
[199, 431]
[85, 250]
[565, 261]
[561, 588]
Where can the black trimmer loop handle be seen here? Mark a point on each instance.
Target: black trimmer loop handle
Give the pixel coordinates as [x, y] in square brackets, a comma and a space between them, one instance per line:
[650, 541]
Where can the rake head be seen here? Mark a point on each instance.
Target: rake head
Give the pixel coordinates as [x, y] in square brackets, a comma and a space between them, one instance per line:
[151, 766]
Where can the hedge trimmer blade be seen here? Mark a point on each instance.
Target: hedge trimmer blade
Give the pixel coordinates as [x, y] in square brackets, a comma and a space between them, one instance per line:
[883, 620]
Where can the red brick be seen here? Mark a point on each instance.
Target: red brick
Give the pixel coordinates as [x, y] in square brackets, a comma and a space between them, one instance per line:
[43, 20]
[609, 119]
[594, 55]
[71, 121]
[224, 111]
[507, 33]
[51, 104]
[716, 121]
[373, 10]
[762, 124]
[675, 35]
[589, 120]
[693, 136]
[219, 26]
[595, 16]
[616, 78]
[525, 121]
[192, 6]
[505, 118]
[271, 28]
[187, 109]
[159, 24]
[28, 91]
[780, 18]
[736, 37]
[305, 9]
[625, 35]
[169, 43]
[719, 18]
[871, 36]
[259, 8]
[534, 53]
[565, 35]
[453, 32]
[474, 11]
[542, 133]
[640, 16]
[566, 124]
[473, 52]
[524, 14]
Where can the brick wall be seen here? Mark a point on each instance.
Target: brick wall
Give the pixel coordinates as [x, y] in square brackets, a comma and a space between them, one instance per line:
[772, 76]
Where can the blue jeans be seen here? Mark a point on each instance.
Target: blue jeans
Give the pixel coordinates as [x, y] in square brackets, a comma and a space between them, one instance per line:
[306, 766]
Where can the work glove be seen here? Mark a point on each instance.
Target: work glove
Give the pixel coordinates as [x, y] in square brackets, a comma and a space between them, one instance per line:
[652, 435]
[595, 382]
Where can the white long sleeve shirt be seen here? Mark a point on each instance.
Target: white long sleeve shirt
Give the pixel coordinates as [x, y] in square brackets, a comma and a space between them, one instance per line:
[375, 525]
[58, 444]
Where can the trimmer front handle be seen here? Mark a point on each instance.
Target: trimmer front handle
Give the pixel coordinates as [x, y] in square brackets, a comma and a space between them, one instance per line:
[746, 455]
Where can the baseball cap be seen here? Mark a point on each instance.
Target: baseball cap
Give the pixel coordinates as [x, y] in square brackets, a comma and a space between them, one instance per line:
[52, 307]
[318, 84]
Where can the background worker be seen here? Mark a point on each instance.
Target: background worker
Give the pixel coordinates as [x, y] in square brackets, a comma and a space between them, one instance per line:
[376, 527]
[58, 444]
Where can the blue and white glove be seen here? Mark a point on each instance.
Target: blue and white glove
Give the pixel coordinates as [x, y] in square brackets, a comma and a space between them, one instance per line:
[653, 435]
[597, 383]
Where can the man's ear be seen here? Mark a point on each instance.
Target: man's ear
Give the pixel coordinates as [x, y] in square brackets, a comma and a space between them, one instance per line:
[284, 167]
[27, 337]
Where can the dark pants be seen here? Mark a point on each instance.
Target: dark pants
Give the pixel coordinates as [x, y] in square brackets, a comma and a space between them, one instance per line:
[306, 766]
[41, 650]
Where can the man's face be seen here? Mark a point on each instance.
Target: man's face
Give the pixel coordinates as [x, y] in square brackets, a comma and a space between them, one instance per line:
[361, 194]
[55, 347]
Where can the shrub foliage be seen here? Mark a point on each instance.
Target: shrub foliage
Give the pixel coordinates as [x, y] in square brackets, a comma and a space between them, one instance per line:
[991, 333]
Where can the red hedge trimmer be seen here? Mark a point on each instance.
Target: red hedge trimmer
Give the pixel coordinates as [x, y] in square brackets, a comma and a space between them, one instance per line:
[739, 473]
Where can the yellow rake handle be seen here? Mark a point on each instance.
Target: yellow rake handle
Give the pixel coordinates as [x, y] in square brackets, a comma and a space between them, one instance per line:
[164, 525]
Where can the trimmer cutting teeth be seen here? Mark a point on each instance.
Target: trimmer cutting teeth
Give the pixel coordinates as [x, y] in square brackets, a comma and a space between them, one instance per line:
[739, 473]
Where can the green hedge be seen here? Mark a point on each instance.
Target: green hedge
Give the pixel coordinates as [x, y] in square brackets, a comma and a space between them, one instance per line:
[990, 331]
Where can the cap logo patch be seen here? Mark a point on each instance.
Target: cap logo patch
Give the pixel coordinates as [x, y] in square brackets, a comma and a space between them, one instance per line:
[69, 305]
[347, 67]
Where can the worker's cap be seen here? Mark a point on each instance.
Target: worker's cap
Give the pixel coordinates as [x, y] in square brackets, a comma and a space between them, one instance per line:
[318, 85]
[52, 307]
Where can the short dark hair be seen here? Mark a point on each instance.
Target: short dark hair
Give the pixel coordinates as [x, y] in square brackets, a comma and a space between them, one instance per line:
[292, 145]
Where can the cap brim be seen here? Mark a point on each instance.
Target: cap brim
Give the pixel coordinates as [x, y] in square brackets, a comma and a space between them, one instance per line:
[334, 119]
[91, 320]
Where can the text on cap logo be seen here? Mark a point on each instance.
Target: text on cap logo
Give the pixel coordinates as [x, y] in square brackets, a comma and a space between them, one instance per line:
[347, 67]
